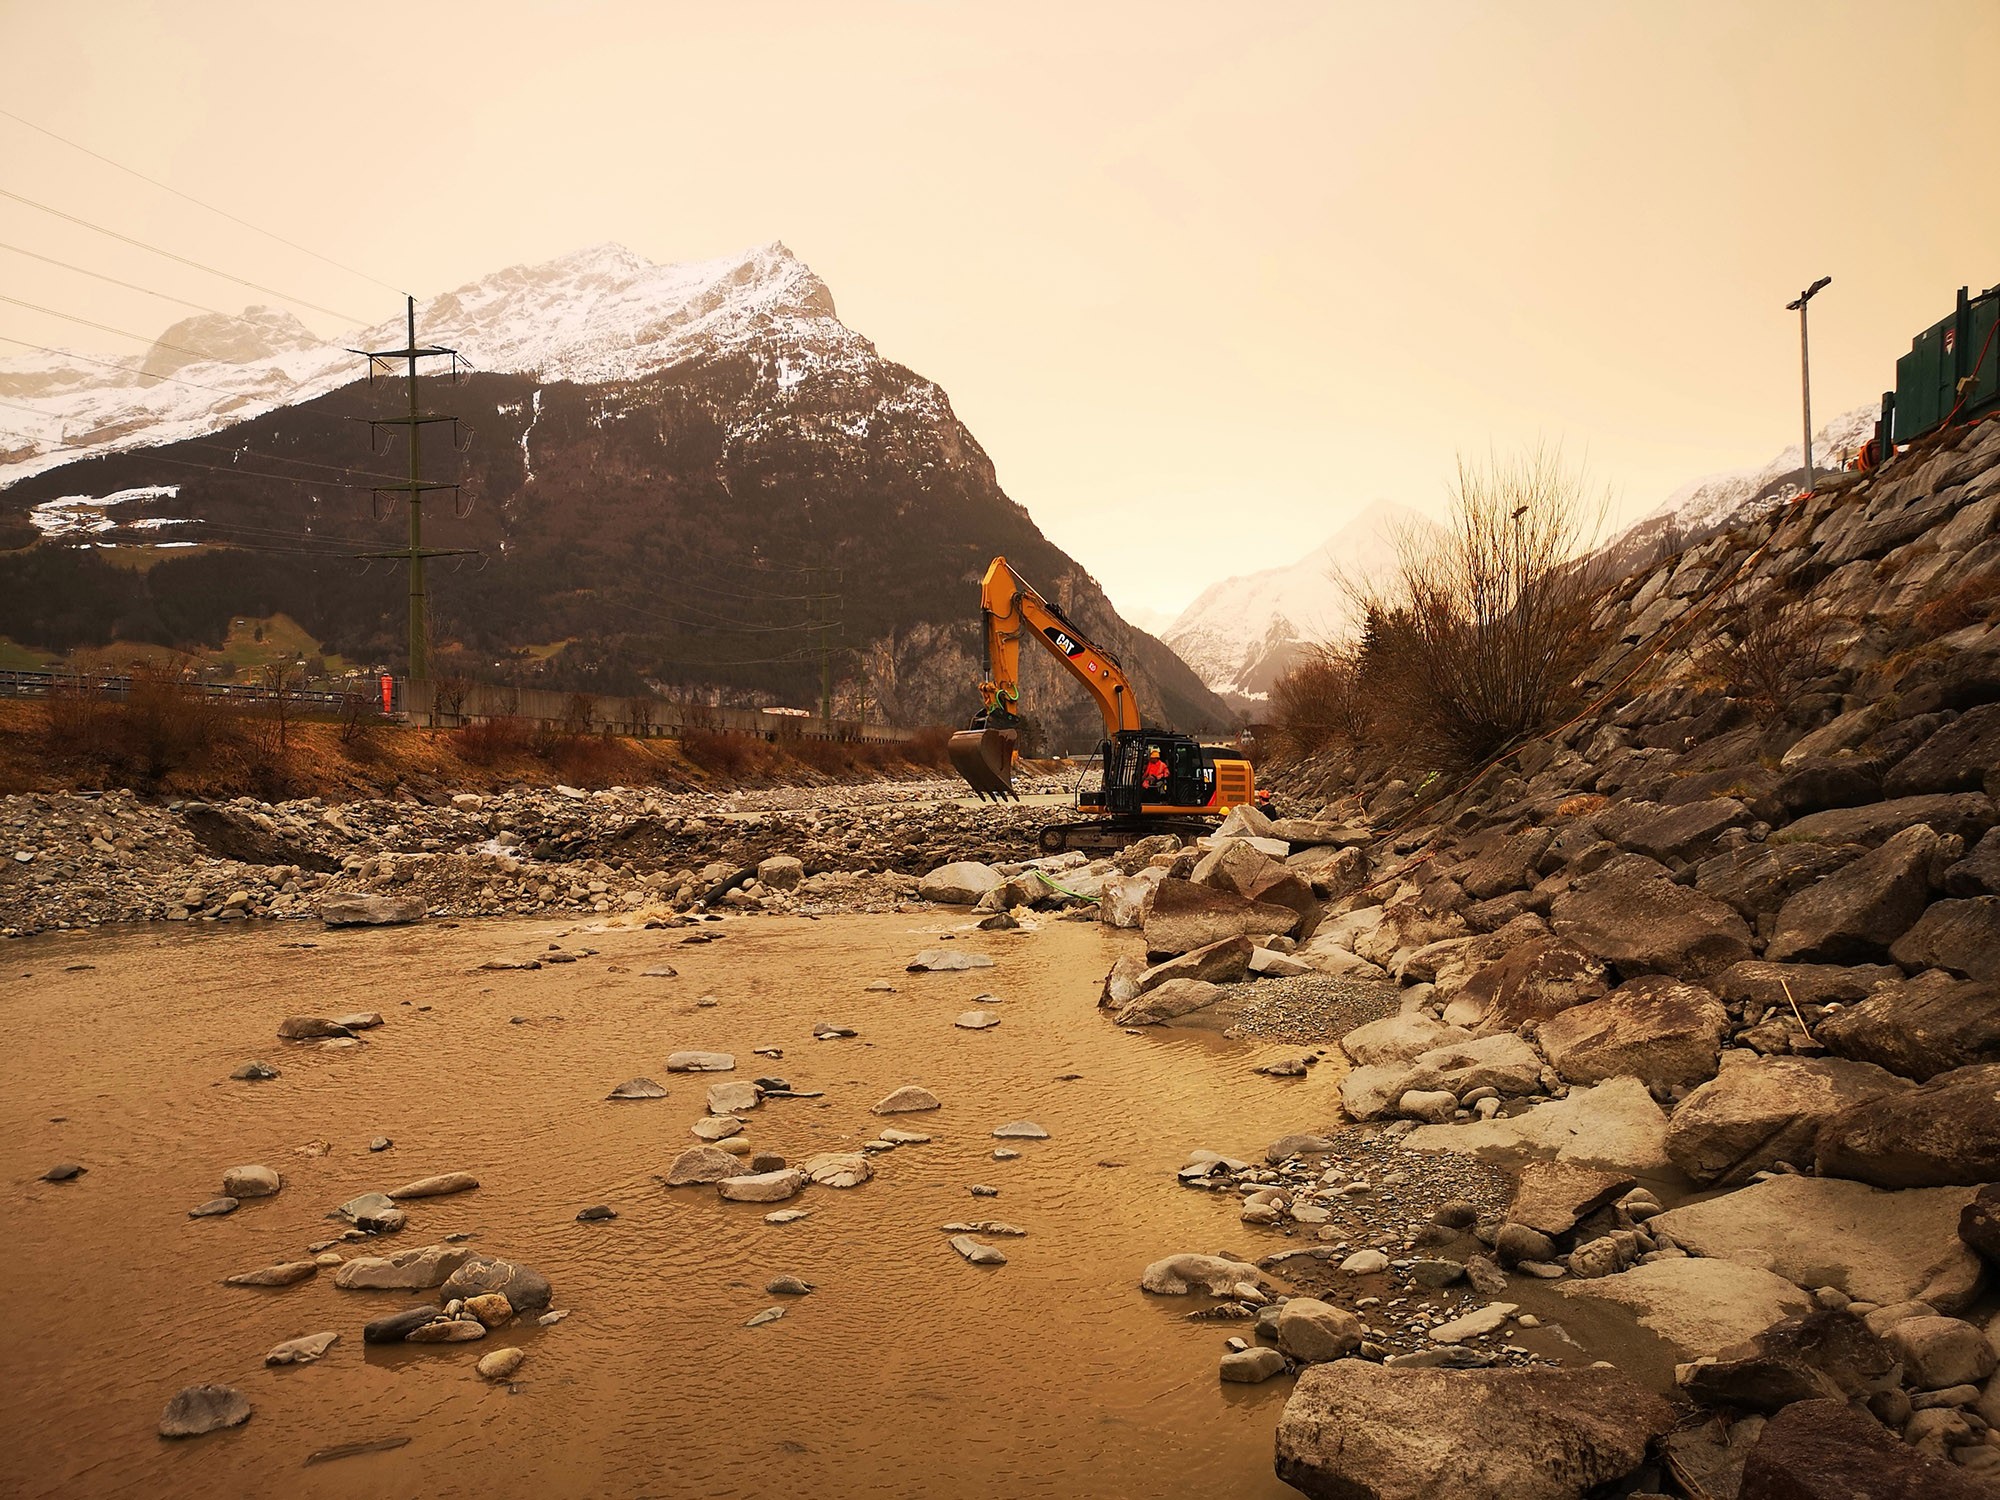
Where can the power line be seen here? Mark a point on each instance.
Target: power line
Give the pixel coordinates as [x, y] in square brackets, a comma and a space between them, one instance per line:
[198, 203]
[256, 286]
[126, 369]
[123, 333]
[131, 286]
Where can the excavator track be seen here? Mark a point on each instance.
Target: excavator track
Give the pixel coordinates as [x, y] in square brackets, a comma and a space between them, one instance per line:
[1101, 834]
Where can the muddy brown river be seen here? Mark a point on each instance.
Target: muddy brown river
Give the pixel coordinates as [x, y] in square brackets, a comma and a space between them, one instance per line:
[908, 1372]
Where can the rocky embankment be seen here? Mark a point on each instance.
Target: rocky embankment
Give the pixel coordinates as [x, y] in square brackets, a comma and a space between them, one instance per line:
[1733, 955]
[74, 861]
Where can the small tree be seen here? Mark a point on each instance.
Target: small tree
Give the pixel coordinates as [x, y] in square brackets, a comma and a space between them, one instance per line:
[1481, 635]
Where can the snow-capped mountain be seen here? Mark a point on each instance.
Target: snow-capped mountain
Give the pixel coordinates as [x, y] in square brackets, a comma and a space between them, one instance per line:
[601, 314]
[1720, 500]
[1242, 634]
[672, 476]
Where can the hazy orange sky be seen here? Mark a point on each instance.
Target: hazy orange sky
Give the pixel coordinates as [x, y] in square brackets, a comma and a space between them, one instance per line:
[1204, 279]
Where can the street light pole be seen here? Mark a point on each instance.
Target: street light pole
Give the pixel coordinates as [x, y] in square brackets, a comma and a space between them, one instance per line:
[1805, 370]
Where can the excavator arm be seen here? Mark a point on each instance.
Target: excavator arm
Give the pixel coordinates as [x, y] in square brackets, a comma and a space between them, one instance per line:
[1010, 609]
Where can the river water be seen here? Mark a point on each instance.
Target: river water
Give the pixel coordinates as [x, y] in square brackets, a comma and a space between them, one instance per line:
[908, 1372]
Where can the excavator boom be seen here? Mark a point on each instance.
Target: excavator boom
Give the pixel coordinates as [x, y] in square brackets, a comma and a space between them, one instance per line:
[1010, 608]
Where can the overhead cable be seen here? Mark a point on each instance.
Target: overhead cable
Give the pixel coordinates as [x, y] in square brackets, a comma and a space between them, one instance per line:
[198, 203]
[255, 286]
[130, 286]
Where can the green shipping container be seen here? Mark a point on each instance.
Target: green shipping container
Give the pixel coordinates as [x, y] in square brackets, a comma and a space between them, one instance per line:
[1960, 346]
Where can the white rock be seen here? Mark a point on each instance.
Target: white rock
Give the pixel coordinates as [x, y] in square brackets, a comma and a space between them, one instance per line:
[763, 1187]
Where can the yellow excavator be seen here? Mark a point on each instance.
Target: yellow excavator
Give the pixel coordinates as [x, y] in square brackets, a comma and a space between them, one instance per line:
[1154, 780]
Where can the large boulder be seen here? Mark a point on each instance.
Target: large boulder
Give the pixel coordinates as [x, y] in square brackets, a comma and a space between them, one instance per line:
[1656, 1029]
[1966, 815]
[1677, 834]
[1699, 1306]
[1238, 867]
[1312, 1331]
[1399, 1038]
[1508, 865]
[1826, 1353]
[1630, 913]
[959, 884]
[371, 911]
[1531, 982]
[526, 1289]
[1961, 937]
[1758, 878]
[1963, 756]
[1979, 1224]
[1758, 1111]
[1877, 1246]
[1502, 1062]
[413, 1270]
[1616, 1125]
[1125, 901]
[1829, 1450]
[1854, 914]
[1178, 1275]
[1978, 874]
[1551, 1196]
[1217, 963]
[1945, 1133]
[1177, 997]
[1353, 1430]
[1939, 1353]
[1920, 1028]
[1186, 916]
[1761, 983]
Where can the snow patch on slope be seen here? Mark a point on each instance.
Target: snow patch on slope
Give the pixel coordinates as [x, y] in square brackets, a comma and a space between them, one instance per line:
[602, 314]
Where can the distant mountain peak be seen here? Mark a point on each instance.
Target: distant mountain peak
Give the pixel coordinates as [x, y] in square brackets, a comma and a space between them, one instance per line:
[601, 313]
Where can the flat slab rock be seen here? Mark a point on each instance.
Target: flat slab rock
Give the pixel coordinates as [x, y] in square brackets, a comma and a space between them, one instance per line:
[371, 911]
[946, 960]
[700, 1062]
[440, 1186]
[763, 1187]
[976, 1252]
[701, 1164]
[1700, 1306]
[204, 1408]
[637, 1088]
[302, 1351]
[1353, 1430]
[1823, 1231]
[909, 1099]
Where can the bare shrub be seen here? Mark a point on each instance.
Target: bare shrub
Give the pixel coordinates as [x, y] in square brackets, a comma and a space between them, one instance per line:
[1968, 603]
[734, 756]
[927, 747]
[1482, 634]
[490, 742]
[579, 713]
[1771, 651]
[1321, 702]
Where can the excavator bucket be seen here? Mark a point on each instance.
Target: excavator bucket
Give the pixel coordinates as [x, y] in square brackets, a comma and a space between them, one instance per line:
[985, 758]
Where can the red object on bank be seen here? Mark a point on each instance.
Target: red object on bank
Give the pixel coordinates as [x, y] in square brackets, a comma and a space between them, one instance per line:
[388, 694]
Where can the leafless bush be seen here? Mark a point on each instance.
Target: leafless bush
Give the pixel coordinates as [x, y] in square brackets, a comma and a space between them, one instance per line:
[1771, 651]
[1483, 632]
[1321, 702]
[579, 712]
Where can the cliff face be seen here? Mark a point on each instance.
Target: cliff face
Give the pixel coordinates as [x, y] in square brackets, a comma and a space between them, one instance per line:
[728, 487]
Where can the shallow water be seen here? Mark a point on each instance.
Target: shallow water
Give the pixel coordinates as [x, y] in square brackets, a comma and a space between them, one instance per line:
[907, 1373]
